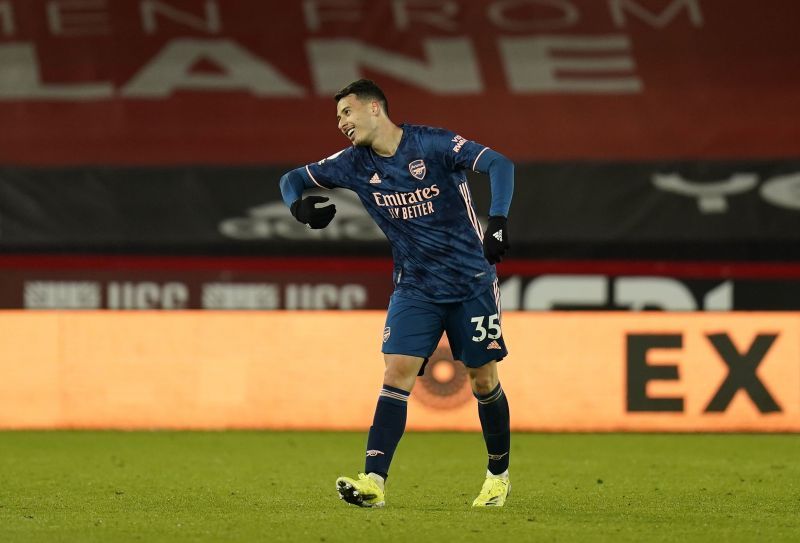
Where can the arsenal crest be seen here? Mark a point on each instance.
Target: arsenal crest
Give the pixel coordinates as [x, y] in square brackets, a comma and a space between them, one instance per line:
[417, 169]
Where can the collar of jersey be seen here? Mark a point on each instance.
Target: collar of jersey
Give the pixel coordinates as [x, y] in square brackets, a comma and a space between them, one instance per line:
[396, 151]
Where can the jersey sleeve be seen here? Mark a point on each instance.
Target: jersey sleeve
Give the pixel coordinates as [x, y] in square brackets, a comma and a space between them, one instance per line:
[333, 171]
[457, 152]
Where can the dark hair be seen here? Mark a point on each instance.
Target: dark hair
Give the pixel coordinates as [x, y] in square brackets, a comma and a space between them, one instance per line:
[364, 89]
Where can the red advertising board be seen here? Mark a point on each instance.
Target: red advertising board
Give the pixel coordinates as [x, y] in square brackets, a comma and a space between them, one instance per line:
[206, 81]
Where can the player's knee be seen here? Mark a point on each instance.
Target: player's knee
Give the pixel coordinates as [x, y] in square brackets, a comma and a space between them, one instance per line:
[394, 377]
[483, 385]
[401, 371]
[483, 380]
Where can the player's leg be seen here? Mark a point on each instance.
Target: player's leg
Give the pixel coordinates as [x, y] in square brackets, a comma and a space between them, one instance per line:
[494, 416]
[388, 426]
[414, 329]
[389, 421]
[495, 422]
[476, 339]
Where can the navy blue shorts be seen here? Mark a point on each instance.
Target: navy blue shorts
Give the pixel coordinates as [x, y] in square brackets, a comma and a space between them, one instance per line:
[414, 328]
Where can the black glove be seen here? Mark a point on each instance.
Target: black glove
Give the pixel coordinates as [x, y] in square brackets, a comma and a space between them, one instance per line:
[495, 240]
[306, 211]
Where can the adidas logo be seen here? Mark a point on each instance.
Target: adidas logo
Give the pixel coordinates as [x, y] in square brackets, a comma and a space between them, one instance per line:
[494, 345]
[375, 179]
[497, 235]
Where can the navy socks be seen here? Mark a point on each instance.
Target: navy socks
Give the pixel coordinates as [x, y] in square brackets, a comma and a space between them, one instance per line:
[387, 428]
[493, 412]
[389, 424]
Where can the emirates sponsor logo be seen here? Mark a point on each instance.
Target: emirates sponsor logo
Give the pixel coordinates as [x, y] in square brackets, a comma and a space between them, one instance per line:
[406, 198]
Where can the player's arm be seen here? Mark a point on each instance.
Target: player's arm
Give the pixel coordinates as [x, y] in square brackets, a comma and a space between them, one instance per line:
[305, 210]
[501, 181]
[460, 153]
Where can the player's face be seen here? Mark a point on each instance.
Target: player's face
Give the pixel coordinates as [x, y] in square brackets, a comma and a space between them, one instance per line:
[357, 119]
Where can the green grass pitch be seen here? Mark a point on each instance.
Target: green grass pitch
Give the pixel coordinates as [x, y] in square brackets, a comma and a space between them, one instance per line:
[276, 486]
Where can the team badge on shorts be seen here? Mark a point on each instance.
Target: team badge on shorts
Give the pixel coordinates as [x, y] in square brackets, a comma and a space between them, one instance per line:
[418, 169]
[386, 333]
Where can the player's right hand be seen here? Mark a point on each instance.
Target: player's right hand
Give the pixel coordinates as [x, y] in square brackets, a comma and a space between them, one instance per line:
[306, 211]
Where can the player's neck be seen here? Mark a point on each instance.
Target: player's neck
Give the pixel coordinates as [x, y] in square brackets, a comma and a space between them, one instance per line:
[388, 140]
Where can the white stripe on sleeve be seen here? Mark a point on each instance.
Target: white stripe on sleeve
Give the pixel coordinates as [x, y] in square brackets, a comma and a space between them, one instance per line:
[314, 180]
[475, 164]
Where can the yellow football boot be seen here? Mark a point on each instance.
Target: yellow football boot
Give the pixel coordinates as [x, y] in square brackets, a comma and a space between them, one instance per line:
[367, 491]
[494, 492]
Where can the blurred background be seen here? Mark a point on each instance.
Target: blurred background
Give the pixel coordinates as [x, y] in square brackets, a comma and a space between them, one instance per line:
[656, 143]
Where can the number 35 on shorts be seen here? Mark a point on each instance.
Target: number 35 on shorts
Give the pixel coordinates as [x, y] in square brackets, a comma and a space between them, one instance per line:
[491, 329]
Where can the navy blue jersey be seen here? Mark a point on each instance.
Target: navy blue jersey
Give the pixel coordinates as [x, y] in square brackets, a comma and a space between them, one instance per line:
[421, 200]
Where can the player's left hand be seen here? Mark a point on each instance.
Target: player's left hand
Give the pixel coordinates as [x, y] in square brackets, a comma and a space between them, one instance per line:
[495, 240]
